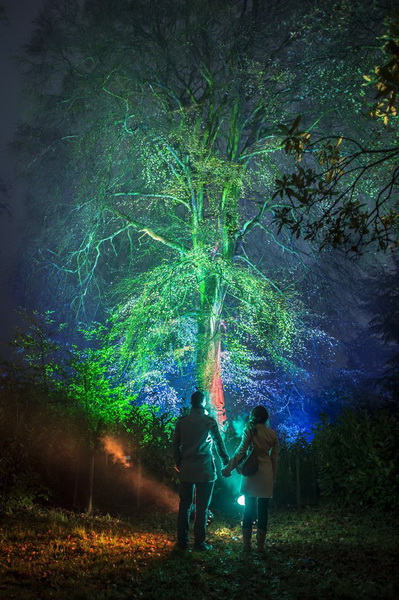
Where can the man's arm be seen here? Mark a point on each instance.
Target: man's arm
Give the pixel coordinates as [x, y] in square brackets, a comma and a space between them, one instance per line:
[176, 441]
[219, 442]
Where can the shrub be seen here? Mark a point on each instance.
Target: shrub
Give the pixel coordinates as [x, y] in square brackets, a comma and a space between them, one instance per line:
[24, 491]
[358, 458]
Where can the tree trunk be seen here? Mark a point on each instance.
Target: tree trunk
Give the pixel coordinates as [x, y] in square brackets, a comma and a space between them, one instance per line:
[209, 367]
[89, 509]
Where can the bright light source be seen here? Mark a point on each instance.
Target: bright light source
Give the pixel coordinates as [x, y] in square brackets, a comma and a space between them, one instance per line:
[241, 500]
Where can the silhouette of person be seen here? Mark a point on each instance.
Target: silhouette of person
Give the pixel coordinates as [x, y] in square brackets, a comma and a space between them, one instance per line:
[194, 438]
[257, 488]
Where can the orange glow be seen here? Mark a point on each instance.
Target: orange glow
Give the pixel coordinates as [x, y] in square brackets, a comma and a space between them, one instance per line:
[213, 380]
[144, 486]
[216, 388]
[115, 449]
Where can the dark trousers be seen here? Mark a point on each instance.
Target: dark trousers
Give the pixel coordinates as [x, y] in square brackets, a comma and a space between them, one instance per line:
[250, 512]
[203, 495]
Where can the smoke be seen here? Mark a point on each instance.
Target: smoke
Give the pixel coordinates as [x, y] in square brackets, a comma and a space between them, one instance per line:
[233, 483]
[238, 425]
[115, 449]
[145, 487]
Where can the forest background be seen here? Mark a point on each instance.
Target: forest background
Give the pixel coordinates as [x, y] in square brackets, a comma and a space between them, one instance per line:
[212, 202]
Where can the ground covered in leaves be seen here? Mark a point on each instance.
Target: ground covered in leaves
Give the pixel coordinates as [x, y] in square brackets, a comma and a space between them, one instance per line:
[311, 554]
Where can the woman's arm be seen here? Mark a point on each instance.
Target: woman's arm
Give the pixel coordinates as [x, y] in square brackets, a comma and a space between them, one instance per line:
[239, 453]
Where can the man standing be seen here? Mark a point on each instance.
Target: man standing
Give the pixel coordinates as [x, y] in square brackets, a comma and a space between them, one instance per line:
[192, 450]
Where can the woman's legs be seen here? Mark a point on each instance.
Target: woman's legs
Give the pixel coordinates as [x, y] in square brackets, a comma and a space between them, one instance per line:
[247, 521]
[249, 512]
[263, 506]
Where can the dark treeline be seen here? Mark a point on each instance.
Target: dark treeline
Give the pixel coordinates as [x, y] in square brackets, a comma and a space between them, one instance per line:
[53, 451]
[52, 456]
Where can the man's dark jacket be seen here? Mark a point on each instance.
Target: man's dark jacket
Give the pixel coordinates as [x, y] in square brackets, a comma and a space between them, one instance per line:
[192, 446]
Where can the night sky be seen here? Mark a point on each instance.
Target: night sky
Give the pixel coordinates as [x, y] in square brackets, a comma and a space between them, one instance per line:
[13, 34]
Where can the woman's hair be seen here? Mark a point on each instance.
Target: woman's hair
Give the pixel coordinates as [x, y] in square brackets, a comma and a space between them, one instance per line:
[258, 414]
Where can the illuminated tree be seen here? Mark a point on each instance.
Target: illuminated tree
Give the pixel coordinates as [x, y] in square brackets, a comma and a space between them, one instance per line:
[157, 127]
[94, 394]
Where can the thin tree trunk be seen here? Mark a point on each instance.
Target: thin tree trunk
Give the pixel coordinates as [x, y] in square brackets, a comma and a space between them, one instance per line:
[89, 509]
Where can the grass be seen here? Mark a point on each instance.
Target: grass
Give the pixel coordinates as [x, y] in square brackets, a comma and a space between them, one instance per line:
[311, 554]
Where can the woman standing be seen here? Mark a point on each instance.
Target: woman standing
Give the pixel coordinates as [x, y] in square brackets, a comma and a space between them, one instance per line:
[257, 488]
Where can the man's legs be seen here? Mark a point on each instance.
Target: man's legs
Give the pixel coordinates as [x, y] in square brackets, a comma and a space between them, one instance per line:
[203, 495]
[183, 518]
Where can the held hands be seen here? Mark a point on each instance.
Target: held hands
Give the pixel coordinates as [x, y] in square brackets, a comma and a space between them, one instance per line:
[226, 472]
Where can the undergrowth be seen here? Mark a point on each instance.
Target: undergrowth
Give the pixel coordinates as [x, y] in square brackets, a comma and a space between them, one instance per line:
[311, 553]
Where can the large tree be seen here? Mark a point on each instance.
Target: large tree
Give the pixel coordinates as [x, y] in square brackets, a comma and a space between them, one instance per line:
[156, 125]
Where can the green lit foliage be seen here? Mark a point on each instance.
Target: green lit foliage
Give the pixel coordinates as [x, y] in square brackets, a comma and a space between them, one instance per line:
[357, 459]
[161, 321]
[57, 405]
[92, 386]
[73, 398]
[83, 376]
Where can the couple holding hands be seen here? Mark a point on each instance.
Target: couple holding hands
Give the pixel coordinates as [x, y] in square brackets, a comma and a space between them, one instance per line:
[193, 441]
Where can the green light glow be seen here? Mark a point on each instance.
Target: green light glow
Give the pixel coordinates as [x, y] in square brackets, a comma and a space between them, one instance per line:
[241, 500]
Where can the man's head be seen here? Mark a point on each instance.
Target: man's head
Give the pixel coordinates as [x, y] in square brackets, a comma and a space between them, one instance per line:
[198, 399]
